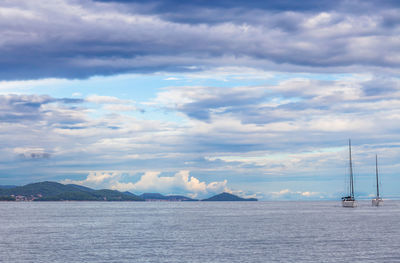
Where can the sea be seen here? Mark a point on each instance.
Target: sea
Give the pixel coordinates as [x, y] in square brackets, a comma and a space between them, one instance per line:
[321, 231]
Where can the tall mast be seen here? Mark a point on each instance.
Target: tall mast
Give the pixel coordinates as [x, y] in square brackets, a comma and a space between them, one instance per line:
[377, 182]
[351, 172]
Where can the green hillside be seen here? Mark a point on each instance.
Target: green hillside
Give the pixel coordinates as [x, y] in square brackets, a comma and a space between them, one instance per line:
[52, 191]
[228, 197]
[173, 198]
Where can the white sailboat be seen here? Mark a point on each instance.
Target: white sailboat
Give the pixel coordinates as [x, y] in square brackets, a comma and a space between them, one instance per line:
[377, 200]
[349, 200]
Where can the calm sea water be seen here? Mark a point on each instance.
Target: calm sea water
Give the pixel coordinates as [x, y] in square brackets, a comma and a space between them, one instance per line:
[198, 232]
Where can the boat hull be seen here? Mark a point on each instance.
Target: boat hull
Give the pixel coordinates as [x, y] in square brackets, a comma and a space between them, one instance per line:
[349, 203]
[377, 202]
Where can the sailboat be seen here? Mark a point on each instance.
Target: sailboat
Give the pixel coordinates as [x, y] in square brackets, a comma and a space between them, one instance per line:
[377, 200]
[349, 200]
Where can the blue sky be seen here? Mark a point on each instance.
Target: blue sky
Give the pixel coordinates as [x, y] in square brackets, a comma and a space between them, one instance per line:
[257, 98]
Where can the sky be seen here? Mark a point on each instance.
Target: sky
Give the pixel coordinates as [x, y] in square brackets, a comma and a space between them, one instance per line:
[255, 98]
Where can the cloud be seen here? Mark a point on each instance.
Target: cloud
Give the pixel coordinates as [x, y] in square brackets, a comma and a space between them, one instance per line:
[97, 178]
[32, 153]
[180, 183]
[297, 106]
[71, 39]
[202, 102]
[174, 10]
[106, 100]
[31, 108]
[286, 128]
[291, 129]
[287, 194]
[111, 103]
[290, 106]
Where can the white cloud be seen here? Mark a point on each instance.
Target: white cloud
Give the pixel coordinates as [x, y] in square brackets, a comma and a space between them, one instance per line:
[120, 108]
[180, 183]
[294, 195]
[113, 104]
[106, 100]
[19, 86]
[94, 179]
[23, 150]
[100, 177]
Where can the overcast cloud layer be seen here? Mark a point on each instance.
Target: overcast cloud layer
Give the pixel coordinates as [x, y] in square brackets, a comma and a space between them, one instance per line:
[77, 39]
[256, 98]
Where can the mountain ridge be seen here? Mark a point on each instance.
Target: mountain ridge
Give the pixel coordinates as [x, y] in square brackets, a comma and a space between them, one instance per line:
[227, 197]
[160, 197]
[53, 191]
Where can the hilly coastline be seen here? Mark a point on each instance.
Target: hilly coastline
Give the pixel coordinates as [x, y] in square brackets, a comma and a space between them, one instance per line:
[160, 197]
[228, 197]
[53, 191]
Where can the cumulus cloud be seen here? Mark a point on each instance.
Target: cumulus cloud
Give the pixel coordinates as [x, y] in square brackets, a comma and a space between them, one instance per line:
[73, 39]
[180, 183]
[94, 178]
[97, 178]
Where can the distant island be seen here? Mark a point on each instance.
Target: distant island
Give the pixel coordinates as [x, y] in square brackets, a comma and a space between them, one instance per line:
[160, 197]
[53, 191]
[228, 197]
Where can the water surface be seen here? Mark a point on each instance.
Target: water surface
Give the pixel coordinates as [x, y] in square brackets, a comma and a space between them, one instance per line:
[198, 232]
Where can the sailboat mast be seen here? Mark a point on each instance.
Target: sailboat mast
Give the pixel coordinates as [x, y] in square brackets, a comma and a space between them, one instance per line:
[351, 172]
[377, 182]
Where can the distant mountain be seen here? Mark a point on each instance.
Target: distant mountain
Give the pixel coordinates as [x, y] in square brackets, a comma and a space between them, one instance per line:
[7, 198]
[81, 187]
[129, 193]
[42, 188]
[160, 197]
[52, 191]
[153, 196]
[180, 198]
[228, 197]
[7, 186]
